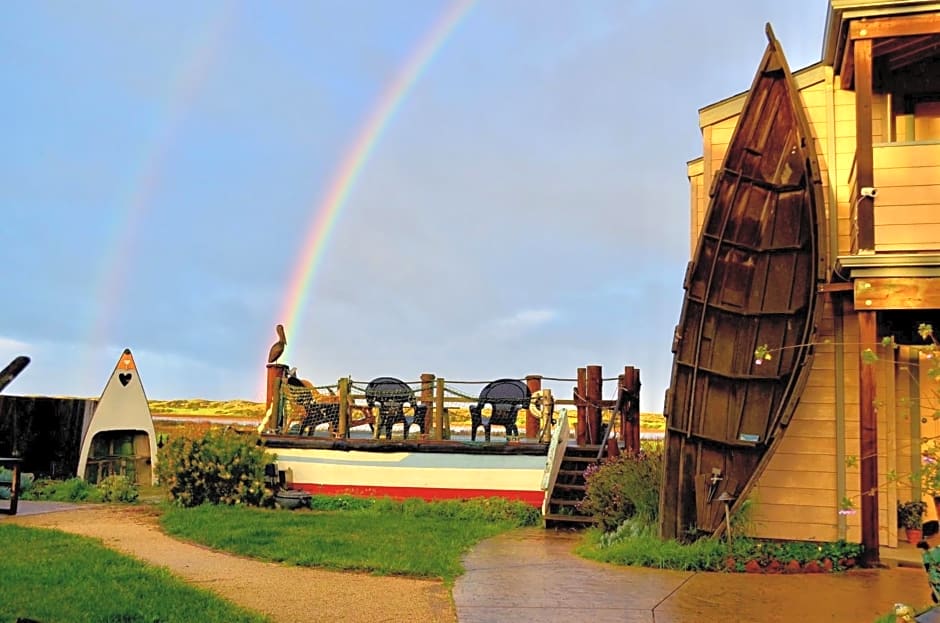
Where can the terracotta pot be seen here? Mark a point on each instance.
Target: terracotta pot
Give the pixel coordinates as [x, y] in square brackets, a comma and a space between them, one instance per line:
[774, 566]
[793, 567]
[914, 535]
[812, 567]
[827, 565]
[752, 566]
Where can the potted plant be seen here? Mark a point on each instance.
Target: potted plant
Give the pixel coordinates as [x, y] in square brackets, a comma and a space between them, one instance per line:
[910, 517]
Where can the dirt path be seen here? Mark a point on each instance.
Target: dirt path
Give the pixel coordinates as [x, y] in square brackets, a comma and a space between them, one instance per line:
[284, 593]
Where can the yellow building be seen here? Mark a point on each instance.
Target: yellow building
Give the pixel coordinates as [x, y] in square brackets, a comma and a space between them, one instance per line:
[873, 103]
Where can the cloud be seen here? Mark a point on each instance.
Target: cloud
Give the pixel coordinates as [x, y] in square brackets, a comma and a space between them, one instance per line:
[10, 348]
[524, 320]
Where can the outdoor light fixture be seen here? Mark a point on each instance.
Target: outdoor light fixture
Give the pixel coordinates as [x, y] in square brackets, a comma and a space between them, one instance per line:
[868, 191]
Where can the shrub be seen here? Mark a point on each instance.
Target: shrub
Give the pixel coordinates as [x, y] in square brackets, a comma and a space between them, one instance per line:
[221, 467]
[624, 487]
[117, 489]
[634, 544]
[71, 490]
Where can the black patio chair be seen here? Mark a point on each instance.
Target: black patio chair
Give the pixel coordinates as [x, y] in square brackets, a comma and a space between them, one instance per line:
[391, 395]
[505, 397]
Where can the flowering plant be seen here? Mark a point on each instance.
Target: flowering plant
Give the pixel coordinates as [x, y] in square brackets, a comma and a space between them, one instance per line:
[910, 514]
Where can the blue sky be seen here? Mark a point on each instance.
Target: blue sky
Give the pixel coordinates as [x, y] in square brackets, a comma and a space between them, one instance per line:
[525, 211]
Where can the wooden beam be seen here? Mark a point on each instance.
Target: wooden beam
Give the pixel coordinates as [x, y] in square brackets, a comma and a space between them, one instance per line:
[580, 393]
[835, 287]
[864, 158]
[847, 66]
[868, 437]
[897, 293]
[595, 385]
[906, 26]
[534, 383]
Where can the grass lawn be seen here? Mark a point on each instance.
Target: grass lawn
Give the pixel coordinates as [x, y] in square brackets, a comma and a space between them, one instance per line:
[54, 577]
[378, 536]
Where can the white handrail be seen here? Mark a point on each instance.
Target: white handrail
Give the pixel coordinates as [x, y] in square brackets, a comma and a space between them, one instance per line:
[556, 453]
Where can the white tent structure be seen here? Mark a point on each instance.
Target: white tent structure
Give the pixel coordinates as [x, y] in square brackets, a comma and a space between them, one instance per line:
[120, 438]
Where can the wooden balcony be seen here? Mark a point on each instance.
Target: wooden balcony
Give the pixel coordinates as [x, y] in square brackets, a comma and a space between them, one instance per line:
[907, 207]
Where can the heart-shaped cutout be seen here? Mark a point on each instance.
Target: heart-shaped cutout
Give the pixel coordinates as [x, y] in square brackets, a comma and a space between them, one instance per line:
[125, 378]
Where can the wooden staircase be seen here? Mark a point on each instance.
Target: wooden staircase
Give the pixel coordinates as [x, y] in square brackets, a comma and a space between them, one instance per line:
[569, 489]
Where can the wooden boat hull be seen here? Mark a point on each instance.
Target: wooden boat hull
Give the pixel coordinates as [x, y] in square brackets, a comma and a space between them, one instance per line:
[399, 470]
[752, 284]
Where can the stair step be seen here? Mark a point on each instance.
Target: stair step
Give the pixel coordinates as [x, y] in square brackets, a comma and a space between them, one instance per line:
[565, 502]
[570, 519]
[579, 459]
[585, 448]
[571, 472]
[561, 486]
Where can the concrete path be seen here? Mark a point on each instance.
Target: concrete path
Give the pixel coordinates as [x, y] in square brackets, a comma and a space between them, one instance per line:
[533, 575]
[525, 575]
[284, 593]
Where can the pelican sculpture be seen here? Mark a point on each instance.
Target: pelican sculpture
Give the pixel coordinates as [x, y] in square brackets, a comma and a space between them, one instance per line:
[278, 348]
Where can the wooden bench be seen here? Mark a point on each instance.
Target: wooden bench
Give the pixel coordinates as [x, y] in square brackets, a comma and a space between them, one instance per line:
[505, 397]
[391, 395]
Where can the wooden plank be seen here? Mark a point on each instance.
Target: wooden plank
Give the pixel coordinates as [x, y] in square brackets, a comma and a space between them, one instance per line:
[796, 513]
[847, 66]
[802, 496]
[908, 237]
[897, 293]
[784, 478]
[797, 531]
[863, 134]
[894, 26]
[904, 155]
[924, 177]
[814, 445]
[897, 198]
[868, 434]
[800, 462]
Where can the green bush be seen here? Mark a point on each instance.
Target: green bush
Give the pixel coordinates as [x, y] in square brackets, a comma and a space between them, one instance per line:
[634, 543]
[221, 467]
[625, 487]
[71, 490]
[117, 489]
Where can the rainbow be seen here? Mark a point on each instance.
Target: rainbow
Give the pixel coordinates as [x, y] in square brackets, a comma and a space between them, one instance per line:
[331, 204]
[117, 258]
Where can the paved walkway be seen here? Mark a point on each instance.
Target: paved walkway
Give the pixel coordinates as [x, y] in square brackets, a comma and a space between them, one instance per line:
[525, 575]
[533, 575]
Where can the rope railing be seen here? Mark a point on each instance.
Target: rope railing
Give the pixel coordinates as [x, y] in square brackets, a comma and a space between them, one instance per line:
[302, 408]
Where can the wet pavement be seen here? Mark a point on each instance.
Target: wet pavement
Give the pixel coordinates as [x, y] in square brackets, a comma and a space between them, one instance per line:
[534, 575]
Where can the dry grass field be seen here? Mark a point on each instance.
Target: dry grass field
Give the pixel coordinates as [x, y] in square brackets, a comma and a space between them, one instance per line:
[255, 411]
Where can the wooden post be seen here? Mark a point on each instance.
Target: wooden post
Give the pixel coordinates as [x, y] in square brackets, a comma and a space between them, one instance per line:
[439, 412]
[631, 409]
[427, 399]
[343, 426]
[595, 418]
[864, 155]
[579, 395]
[275, 371]
[868, 437]
[534, 383]
[276, 399]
